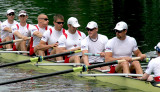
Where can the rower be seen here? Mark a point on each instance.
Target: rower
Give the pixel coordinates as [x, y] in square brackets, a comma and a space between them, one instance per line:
[42, 26]
[153, 66]
[51, 36]
[121, 47]
[71, 41]
[22, 30]
[6, 32]
[93, 43]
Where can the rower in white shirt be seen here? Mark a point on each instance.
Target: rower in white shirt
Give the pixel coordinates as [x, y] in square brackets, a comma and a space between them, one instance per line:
[50, 37]
[121, 47]
[42, 26]
[6, 32]
[153, 66]
[93, 43]
[22, 30]
[71, 41]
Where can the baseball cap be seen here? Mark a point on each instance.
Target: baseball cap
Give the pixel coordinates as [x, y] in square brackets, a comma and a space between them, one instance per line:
[157, 47]
[121, 26]
[10, 11]
[73, 21]
[22, 12]
[92, 25]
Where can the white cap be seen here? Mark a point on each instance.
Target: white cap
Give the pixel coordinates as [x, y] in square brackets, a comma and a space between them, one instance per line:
[9, 11]
[92, 25]
[157, 47]
[22, 12]
[121, 26]
[73, 21]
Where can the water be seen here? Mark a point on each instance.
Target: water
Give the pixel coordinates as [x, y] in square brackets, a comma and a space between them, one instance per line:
[54, 84]
[142, 17]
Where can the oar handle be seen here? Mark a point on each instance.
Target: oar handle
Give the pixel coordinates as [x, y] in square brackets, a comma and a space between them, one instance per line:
[136, 58]
[18, 40]
[120, 61]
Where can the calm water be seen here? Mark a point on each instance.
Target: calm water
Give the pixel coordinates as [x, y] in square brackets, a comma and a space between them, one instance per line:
[142, 17]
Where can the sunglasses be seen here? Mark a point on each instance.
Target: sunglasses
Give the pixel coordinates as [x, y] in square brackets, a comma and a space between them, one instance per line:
[11, 14]
[119, 31]
[60, 22]
[44, 19]
[88, 29]
[22, 15]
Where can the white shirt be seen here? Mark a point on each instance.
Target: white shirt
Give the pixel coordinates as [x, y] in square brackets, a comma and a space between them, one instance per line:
[121, 48]
[154, 66]
[23, 30]
[71, 41]
[94, 47]
[36, 39]
[4, 34]
[52, 36]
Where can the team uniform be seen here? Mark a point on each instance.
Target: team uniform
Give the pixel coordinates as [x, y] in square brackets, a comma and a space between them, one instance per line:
[71, 41]
[24, 30]
[51, 36]
[4, 34]
[94, 47]
[154, 66]
[34, 39]
[121, 48]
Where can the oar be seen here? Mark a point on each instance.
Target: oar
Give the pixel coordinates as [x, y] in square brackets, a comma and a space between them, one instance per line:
[40, 58]
[76, 69]
[14, 51]
[91, 54]
[114, 74]
[13, 41]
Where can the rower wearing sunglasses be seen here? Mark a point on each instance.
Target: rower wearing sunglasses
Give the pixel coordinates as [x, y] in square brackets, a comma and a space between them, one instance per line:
[6, 32]
[71, 41]
[51, 36]
[121, 47]
[94, 43]
[22, 30]
[42, 26]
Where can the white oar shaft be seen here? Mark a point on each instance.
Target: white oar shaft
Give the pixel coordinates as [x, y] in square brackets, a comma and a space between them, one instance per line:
[14, 51]
[18, 40]
[118, 74]
[59, 64]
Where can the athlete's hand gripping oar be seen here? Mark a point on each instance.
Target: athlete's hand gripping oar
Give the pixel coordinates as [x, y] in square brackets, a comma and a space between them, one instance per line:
[76, 69]
[13, 41]
[40, 58]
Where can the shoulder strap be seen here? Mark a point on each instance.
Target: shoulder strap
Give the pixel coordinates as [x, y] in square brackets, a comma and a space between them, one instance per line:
[46, 28]
[50, 31]
[17, 26]
[27, 26]
[79, 32]
[37, 27]
[64, 32]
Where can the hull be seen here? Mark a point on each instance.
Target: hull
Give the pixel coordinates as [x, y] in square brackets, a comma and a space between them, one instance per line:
[117, 80]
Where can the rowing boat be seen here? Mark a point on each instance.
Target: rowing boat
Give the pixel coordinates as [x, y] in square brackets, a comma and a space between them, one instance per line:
[121, 81]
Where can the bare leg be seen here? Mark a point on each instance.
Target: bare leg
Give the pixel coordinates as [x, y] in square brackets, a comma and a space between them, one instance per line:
[137, 67]
[75, 59]
[57, 52]
[123, 67]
